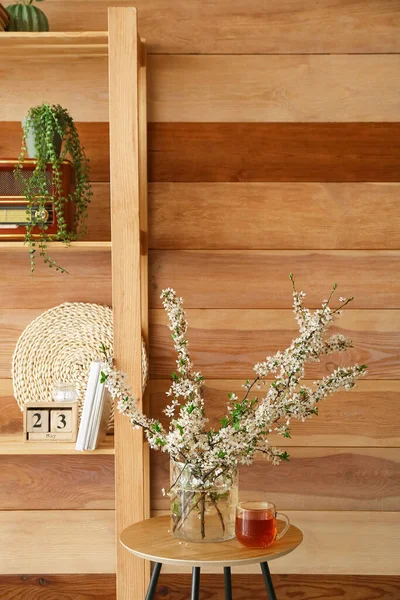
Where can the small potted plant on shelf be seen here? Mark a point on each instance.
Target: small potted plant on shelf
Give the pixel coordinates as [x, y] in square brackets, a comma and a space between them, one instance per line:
[24, 16]
[50, 138]
[204, 460]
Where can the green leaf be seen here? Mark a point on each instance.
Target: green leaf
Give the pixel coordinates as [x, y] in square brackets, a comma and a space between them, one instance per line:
[174, 376]
[285, 456]
[44, 121]
[103, 377]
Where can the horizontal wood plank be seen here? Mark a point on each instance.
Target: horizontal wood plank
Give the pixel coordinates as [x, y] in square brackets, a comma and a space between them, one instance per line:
[49, 482]
[369, 416]
[335, 215]
[323, 152]
[58, 587]
[287, 587]
[10, 414]
[323, 88]
[223, 152]
[82, 85]
[93, 136]
[225, 344]
[50, 45]
[270, 216]
[220, 27]
[99, 218]
[302, 88]
[89, 279]
[340, 542]
[177, 587]
[314, 479]
[57, 542]
[19, 246]
[15, 445]
[335, 542]
[260, 279]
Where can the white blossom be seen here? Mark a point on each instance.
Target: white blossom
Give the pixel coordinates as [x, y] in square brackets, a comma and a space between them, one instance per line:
[212, 453]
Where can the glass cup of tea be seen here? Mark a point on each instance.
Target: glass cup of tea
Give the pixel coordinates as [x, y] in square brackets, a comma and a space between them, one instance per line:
[256, 525]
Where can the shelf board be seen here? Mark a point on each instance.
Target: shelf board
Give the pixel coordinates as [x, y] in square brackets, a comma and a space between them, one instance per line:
[58, 246]
[45, 45]
[14, 445]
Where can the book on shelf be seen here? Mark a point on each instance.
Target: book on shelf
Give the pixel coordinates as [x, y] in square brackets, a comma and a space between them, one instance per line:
[96, 410]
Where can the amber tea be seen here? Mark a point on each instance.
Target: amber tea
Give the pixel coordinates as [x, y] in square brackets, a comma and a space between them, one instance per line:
[256, 524]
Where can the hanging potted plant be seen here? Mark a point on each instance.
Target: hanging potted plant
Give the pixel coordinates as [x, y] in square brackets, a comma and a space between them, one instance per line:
[24, 16]
[50, 138]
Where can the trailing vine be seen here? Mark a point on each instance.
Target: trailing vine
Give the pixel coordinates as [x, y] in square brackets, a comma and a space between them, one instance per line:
[51, 124]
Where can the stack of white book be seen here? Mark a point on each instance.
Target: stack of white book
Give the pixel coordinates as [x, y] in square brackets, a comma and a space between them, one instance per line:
[95, 412]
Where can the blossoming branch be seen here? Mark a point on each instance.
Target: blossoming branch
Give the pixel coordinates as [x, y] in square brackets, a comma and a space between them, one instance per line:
[209, 453]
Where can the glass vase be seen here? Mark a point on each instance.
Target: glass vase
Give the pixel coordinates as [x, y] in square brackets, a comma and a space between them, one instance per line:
[202, 511]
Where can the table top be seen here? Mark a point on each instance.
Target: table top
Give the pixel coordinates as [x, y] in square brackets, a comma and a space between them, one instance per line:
[152, 540]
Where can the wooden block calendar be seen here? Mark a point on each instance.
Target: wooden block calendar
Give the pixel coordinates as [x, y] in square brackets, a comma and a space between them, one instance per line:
[51, 421]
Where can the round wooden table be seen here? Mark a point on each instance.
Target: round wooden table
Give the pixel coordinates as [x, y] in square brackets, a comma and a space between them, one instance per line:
[151, 540]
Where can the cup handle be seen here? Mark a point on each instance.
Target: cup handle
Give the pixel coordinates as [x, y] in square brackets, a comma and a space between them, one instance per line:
[285, 518]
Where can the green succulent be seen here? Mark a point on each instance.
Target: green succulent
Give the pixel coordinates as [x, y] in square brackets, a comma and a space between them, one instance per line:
[24, 16]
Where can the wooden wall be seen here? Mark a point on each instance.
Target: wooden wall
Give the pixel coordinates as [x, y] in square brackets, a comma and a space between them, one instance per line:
[273, 147]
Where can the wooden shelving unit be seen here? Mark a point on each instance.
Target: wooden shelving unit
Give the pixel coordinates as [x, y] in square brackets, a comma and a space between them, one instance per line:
[59, 247]
[31, 46]
[84, 90]
[14, 445]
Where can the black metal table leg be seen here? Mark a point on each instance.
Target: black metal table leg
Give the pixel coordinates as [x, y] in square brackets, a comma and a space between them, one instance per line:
[195, 583]
[268, 581]
[151, 590]
[228, 583]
